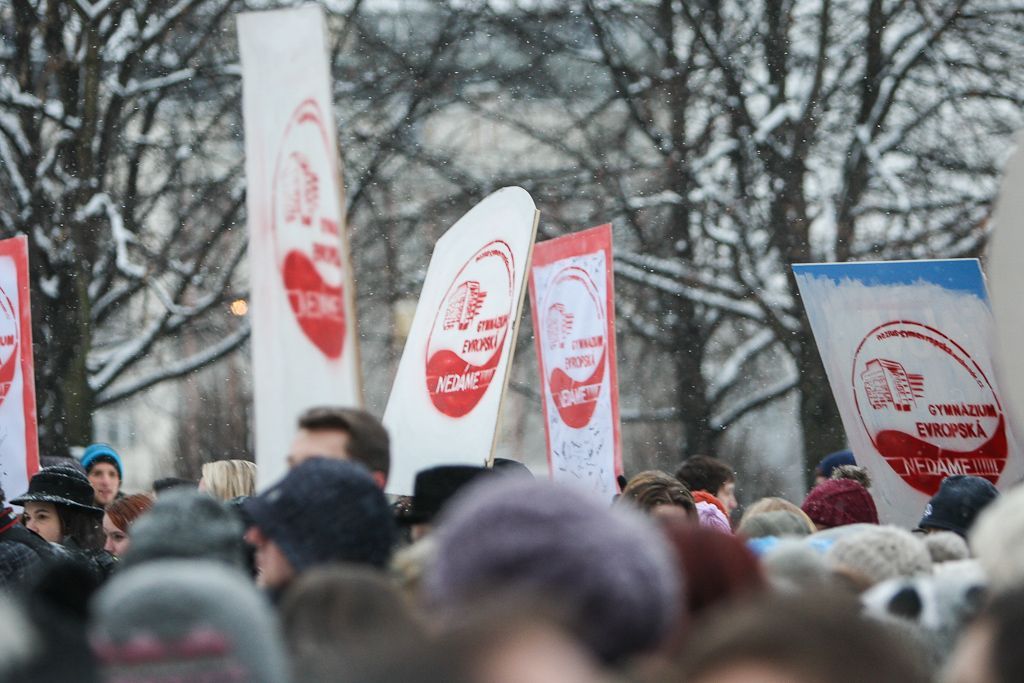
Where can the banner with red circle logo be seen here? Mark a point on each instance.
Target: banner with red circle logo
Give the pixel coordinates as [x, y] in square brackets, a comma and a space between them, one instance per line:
[305, 347]
[446, 399]
[909, 351]
[573, 308]
[19, 447]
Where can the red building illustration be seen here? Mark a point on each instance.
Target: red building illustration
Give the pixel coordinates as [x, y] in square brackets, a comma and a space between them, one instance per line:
[887, 383]
[464, 305]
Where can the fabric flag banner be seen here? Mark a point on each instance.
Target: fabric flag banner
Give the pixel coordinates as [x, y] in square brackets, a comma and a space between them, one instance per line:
[573, 308]
[1006, 278]
[909, 351]
[305, 349]
[445, 402]
[19, 447]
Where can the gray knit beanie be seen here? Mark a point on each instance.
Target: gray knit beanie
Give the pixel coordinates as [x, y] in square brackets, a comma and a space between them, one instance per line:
[184, 523]
[880, 553]
[773, 523]
[177, 620]
[609, 568]
[946, 546]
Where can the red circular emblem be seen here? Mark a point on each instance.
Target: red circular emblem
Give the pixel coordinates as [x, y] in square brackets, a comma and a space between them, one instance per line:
[927, 406]
[306, 210]
[573, 334]
[469, 331]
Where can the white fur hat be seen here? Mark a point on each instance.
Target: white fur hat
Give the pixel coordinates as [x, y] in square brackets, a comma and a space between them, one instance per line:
[880, 553]
[997, 539]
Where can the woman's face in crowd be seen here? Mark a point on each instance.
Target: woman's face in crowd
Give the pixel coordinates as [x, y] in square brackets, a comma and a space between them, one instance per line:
[42, 518]
[105, 482]
[117, 540]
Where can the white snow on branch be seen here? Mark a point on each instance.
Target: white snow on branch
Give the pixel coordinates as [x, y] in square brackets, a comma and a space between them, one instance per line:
[729, 371]
[783, 112]
[744, 309]
[10, 93]
[629, 315]
[666, 198]
[155, 28]
[648, 414]
[50, 286]
[93, 9]
[134, 87]
[125, 354]
[753, 401]
[8, 163]
[102, 202]
[679, 269]
[183, 367]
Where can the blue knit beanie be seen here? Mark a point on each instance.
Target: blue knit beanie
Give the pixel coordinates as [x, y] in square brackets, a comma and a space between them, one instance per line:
[834, 460]
[101, 452]
[609, 568]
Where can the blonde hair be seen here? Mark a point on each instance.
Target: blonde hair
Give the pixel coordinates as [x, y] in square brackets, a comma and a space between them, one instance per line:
[227, 479]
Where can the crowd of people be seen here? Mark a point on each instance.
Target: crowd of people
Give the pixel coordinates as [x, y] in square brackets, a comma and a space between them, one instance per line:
[493, 575]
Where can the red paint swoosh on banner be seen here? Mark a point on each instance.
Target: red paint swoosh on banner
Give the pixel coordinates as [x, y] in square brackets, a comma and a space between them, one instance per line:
[318, 307]
[924, 465]
[456, 386]
[577, 411]
[7, 373]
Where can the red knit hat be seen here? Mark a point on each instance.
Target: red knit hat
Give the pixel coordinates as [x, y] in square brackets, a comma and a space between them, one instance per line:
[840, 501]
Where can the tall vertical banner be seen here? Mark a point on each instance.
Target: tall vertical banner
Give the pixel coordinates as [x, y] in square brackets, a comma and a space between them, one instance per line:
[1006, 277]
[447, 395]
[304, 338]
[909, 349]
[19, 443]
[573, 308]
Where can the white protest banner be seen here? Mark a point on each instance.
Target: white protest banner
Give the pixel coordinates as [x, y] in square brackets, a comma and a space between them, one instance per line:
[445, 402]
[909, 351]
[1006, 277]
[573, 308]
[304, 338]
[19, 447]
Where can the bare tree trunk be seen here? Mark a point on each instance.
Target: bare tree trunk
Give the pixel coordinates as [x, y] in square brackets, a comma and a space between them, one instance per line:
[822, 427]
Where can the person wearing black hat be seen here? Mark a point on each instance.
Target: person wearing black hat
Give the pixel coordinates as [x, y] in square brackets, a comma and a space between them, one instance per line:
[22, 552]
[433, 488]
[59, 507]
[957, 504]
[323, 511]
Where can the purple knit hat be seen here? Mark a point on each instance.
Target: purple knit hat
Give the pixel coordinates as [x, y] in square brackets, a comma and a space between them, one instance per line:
[838, 502]
[609, 568]
[712, 518]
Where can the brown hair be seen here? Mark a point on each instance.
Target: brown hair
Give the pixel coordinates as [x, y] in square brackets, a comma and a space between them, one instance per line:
[368, 440]
[704, 473]
[124, 511]
[776, 633]
[649, 489]
[334, 615]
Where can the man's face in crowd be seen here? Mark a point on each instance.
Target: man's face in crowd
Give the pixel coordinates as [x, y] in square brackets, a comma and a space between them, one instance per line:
[325, 443]
[105, 482]
[273, 570]
[727, 494]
